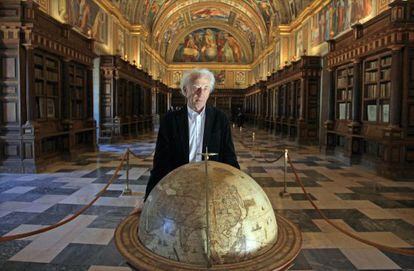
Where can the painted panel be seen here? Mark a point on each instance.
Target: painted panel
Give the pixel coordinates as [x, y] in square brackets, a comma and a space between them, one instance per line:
[85, 16]
[209, 45]
[210, 13]
[242, 25]
[338, 16]
[220, 76]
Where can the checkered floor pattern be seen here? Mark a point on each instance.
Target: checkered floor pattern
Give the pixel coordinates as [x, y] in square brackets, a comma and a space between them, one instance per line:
[376, 208]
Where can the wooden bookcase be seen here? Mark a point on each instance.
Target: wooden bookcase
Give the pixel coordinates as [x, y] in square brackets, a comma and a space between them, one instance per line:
[377, 89]
[48, 83]
[77, 90]
[125, 99]
[344, 86]
[253, 104]
[296, 95]
[162, 99]
[371, 103]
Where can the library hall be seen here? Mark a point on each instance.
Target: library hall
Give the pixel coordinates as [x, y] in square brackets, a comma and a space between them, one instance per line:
[211, 135]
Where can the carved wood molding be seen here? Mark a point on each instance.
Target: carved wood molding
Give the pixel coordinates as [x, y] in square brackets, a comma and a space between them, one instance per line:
[115, 66]
[306, 67]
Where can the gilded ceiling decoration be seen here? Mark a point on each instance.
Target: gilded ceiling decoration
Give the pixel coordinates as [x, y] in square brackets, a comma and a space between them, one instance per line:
[172, 22]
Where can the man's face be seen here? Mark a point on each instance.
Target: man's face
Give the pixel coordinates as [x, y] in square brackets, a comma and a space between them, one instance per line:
[197, 92]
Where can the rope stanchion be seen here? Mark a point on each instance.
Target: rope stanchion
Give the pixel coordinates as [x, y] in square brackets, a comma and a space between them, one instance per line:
[346, 232]
[254, 156]
[136, 156]
[269, 161]
[78, 213]
[285, 193]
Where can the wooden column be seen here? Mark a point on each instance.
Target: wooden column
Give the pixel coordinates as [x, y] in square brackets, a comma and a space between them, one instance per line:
[302, 100]
[357, 92]
[66, 99]
[331, 92]
[292, 99]
[396, 87]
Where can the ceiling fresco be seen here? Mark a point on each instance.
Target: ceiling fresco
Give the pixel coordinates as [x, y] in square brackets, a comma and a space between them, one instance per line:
[210, 13]
[209, 45]
[172, 21]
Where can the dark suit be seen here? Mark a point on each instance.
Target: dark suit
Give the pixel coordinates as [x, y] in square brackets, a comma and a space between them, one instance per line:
[172, 149]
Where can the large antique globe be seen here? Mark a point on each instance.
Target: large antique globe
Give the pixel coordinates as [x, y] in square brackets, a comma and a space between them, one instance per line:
[238, 223]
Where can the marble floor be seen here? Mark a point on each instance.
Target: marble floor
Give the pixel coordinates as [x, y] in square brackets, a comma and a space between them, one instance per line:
[376, 208]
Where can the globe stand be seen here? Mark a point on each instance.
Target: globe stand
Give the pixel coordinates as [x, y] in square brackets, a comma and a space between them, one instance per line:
[285, 193]
[279, 257]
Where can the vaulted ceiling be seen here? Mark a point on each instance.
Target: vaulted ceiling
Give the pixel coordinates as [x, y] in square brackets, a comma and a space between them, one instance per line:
[175, 26]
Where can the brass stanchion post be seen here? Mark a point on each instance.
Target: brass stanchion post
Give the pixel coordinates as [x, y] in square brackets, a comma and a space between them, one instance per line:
[285, 193]
[127, 191]
[253, 139]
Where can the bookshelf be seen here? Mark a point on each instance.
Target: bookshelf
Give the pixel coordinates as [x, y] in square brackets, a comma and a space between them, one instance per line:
[77, 90]
[377, 89]
[47, 83]
[40, 128]
[297, 99]
[344, 86]
[376, 129]
[125, 96]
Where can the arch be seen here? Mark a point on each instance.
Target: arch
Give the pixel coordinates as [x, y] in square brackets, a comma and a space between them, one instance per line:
[181, 6]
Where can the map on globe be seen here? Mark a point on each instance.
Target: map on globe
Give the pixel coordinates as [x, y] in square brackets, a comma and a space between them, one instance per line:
[240, 224]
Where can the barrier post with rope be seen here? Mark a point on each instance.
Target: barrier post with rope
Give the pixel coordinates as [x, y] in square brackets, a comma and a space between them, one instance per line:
[285, 193]
[127, 190]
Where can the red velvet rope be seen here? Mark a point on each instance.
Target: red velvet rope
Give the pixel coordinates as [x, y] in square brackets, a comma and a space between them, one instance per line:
[78, 213]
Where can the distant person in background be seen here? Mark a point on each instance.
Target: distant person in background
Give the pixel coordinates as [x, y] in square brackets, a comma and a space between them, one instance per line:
[240, 117]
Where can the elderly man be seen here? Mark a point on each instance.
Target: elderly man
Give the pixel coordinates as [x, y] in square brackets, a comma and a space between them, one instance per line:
[185, 133]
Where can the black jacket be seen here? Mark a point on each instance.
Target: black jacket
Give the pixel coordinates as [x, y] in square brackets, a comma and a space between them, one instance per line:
[172, 149]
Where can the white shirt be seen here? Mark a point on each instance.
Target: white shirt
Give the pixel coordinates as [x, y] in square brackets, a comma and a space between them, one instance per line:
[196, 123]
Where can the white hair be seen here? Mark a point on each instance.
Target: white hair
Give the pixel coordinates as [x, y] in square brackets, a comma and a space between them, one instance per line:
[190, 76]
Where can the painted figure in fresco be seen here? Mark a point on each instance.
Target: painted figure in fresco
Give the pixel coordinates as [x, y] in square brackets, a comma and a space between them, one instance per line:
[69, 11]
[237, 53]
[266, 10]
[340, 7]
[221, 41]
[227, 50]
[333, 19]
[367, 7]
[207, 13]
[84, 14]
[327, 24]
[356, 10]
[198, 39]
[209, 49]
[98, 27]
[322, 26]
[190, 51]
[347, 19]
